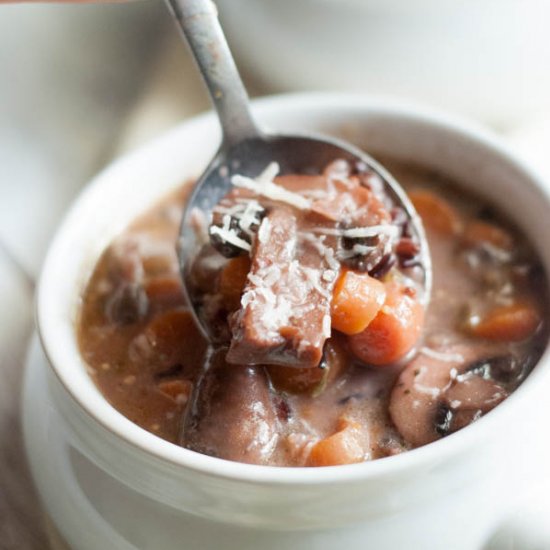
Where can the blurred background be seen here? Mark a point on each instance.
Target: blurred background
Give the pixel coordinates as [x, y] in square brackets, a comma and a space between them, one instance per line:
[80, 84]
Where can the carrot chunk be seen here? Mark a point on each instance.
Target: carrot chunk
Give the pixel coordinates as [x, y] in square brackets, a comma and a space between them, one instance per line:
[393, 332]
[232, 281]
[436, 212]
[356, 300]
[344, 447]
[478, 232]
[511, 323]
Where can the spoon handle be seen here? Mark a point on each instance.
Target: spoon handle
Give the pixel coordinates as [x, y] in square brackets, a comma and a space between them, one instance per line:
[198, 21]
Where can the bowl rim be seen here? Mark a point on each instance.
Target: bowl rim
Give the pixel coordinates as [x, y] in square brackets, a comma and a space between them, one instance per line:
[98, 410]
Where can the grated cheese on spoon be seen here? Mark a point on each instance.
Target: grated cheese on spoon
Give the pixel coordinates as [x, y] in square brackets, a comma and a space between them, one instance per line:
[264, 186]
[391, 231]
[229, 235]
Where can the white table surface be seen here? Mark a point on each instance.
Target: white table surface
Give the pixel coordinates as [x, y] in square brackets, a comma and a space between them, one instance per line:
[41, 171]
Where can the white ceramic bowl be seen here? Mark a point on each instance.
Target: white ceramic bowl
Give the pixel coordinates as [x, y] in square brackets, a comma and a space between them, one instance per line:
[107, 483]
[486, 58]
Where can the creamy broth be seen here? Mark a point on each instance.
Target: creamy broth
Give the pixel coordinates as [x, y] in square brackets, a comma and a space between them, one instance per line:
[483, 332]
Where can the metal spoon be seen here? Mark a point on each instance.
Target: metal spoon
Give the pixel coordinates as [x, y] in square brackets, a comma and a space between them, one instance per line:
[247, 150]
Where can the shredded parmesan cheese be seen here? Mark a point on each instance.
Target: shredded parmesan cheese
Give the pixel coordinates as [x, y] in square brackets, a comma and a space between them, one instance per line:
[228, 235]
[265, 231]
[326, 326]
[329, 275]
[333, 263]
[269, 173]
[264, 186]
[249, 217]
[391, 231]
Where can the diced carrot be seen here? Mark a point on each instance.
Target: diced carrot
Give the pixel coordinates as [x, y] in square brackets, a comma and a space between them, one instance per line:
[232, 281]
[178, 390]
[479, 232]
[356, 300]
[511, 323]
[308, 380]
[393, 332]
[436, 212]
[346, 446]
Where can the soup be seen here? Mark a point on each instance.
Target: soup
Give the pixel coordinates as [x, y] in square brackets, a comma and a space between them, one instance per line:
[350, 367]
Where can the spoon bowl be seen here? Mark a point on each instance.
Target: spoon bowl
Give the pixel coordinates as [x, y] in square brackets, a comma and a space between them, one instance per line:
[295, 154]
[247, 151]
